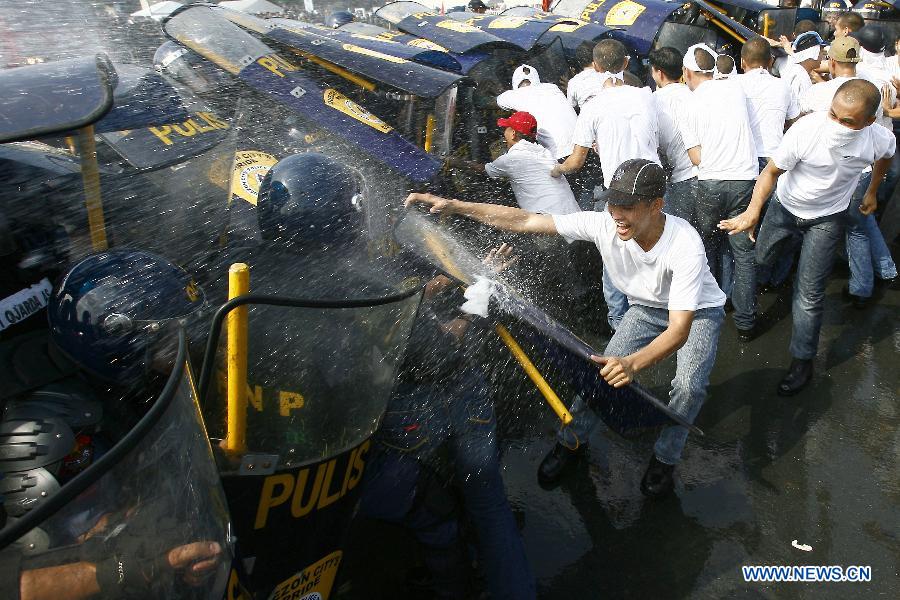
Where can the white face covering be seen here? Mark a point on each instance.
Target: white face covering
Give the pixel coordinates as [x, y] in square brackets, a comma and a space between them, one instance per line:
[839, 135]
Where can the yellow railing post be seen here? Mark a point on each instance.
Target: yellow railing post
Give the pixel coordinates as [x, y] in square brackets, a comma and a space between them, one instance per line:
[534, 375]
[90, 175]
[236, 432]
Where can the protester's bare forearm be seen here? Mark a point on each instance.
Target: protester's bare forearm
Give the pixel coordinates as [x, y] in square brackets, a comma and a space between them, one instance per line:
[504, 217]
[665, 344]
[574, 161]
[765, 183]
[879, 171]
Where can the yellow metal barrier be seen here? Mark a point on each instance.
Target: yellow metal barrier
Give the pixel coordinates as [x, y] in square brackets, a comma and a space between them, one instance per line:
[90, 175]
[766, 22]
[429, 132]
[534, 375]
[236, 432]
[337, 70]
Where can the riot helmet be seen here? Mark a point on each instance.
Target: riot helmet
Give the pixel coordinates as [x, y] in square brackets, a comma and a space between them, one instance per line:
[114, 313]
[189, 69]
[310, 201]
[339, 18]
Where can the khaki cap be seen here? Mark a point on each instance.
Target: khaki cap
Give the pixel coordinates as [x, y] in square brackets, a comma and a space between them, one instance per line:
[845, 50]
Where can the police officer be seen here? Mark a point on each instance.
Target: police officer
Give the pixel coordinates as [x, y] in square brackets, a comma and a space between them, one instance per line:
[111, 315]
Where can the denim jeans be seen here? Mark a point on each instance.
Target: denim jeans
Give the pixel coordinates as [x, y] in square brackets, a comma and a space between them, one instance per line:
[694, 362]
[867, 253]
[717, 200]
[616, 301]
[420, 419]
[681, 198]
[819, 241]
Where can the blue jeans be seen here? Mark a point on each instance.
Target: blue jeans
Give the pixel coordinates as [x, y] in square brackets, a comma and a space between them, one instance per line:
[681, 198]
[616, 301]
[819, 241]
[866, 251]
[717, 200]
[694, 362]
[420, 419]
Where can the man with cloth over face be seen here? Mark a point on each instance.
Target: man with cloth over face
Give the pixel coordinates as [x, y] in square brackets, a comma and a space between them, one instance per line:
[816, 168]
[658, 261]
[720, 142]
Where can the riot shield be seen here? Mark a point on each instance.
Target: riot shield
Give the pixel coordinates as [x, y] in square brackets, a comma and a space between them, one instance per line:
[147, 519]
[319, 372]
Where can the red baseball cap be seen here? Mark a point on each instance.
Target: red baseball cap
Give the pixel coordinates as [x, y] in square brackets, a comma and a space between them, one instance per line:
[522, 122]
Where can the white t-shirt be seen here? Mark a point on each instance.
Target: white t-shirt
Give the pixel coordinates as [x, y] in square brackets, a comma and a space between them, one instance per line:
[584, 86]
[621, 121]
[673, 275]
[527, 166]
[718, 120]
[771, 103]
[670, 104]
[555, 116]
[820, 176]
[797, 79]
[818, 98]
[876, 72]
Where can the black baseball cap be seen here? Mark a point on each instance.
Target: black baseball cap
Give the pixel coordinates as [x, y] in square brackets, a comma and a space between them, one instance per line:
[636, 179]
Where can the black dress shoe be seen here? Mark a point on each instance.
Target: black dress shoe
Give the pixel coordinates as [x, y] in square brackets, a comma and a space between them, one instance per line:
[657, 481]
[798, 375]
[858, 302]
[747, 335]
[556, 461]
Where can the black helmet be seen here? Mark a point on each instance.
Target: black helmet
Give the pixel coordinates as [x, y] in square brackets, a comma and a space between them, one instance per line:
[336, 19]
[477, 6]
[870, 37]
[112, 312]
[308, 201]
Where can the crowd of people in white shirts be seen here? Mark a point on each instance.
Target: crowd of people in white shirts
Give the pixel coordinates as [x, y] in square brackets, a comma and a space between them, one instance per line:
[761, 168]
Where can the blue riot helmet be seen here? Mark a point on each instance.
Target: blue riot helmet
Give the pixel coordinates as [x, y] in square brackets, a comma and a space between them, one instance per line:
[189, 69]
[115, 313]
[310, 201]
[336, 19]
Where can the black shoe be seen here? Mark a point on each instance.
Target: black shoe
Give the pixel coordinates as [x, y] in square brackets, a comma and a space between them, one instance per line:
[858, 302]
[891, 284]
[747, 335]
[556, 461]
[797, 377]
[657, 481]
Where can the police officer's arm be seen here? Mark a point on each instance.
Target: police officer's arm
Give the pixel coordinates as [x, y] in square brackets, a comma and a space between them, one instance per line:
[501, 217]
[747, 220]
[572, 163]
[620, 370]
[73, 581]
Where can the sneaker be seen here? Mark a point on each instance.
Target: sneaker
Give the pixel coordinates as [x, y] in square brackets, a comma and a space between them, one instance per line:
[798, 375]
[551, 468]
[658, 481]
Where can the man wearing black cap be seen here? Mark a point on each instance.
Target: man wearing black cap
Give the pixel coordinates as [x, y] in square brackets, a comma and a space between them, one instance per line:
[659, 262]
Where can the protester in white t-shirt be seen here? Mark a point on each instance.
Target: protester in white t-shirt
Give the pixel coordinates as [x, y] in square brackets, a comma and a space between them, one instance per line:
[676, 306]
[719, 141]
[555, 116]
[671, 99]
[816, 167]
[587, 83]
[772, 105]
[619, 123]
[807, 53]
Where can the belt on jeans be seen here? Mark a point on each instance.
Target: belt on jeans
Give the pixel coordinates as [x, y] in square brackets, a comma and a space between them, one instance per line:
[809, 222]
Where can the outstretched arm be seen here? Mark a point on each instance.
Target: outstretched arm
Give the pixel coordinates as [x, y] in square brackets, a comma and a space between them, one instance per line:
[501, 217]
[747, 220]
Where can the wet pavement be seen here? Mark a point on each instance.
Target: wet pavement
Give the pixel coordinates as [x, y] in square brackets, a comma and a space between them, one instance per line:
[822, 468]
